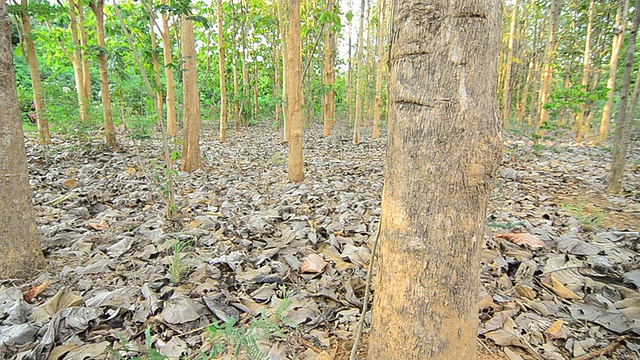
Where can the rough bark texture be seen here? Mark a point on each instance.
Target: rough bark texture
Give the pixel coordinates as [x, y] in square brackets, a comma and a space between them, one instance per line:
[223, 87]
[294, 93]
[191, 148]
[20, 241]
[358, 75]
[624, 123]
[109, 130]
[443, 149]
[44, 137]
[168, 74]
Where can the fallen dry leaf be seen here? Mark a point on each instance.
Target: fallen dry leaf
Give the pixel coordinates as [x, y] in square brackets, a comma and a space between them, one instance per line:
[524, 239]
[35, 291]
[313, 264]
[101, 226]
[551, 283]
[556, 330]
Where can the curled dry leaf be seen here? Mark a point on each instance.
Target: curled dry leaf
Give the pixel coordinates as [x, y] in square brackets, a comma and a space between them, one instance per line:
[313, 264]
[35, 291]
[524, 239]
[551, 283]
[101, 226]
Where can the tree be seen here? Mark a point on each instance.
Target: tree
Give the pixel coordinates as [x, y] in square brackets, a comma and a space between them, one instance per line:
[168, 74]
[381, 51]
[582, 125]
[624, 123]
[98, 9]
[190, 148]
[223, 89]
[358, 75]
[294, 93]
[29, 52]
[76, 60]
[547, 75]
[506, 86]
[20, 243]
[442, 153]
[328, 79]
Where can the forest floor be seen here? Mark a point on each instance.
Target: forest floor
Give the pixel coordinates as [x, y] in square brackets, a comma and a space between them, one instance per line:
[241, 253]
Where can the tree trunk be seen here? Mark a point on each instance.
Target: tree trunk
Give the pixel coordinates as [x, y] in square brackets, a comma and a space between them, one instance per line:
[624, 123]
[379, 70]
[44, 137]
[223, 88]
[282, 23]
[443, 150]
[168, 74]
[350, 75]
[582, 126]
[234, 66]
[506, 88]
[294, 93]
[616, 46]
[256, 91]
[190, 148]
[86, 75]
[154, 57]
[109, 130]
[20, 243]
[545, 89]
[359, 55]
[76, 61]
[328, 79]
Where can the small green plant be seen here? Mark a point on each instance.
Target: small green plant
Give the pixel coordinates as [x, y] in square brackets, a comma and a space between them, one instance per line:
[149, 354]
[278, 159]
[583, 217]
[505, 225]
[180, 263]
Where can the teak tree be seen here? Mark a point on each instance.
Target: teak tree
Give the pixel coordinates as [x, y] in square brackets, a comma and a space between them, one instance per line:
[190, 148]
[547, 73]
[223, 89]
[442, 152]
[358, 75]
[294, 93]
[20, 243]
[168, 74]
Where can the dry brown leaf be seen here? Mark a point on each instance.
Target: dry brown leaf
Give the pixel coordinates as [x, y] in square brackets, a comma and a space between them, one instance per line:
[551, 283]
[101, 226]
[313, 264]
[525, 291]
[524, 239]
[70, 183]
[556, 331]
[35, 291]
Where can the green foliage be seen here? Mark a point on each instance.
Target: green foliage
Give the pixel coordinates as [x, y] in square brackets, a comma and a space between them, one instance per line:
[149, 354]
[505, 225]
[583, 217]
[180, 262]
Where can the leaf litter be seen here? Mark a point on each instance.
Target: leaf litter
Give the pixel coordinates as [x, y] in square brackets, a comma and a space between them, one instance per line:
[280, 268]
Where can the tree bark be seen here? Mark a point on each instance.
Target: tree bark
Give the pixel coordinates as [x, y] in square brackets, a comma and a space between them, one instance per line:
[582, 126]
[223, 87]
[328, 79]
[234, 66]
[191, 148]
[616, 46]
[506, 88]
[624, 123]
[20, 242]
[76, 61]
[168, 74]
[86, 75]
[294, 93]
[545, 88]
[379, 69]
[282, 24]
[44, 136]
[109, 130]
[358, 75]
[443, 150]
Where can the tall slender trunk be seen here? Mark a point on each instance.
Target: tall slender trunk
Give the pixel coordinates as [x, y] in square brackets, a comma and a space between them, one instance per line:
[277, 86]
[191, 148]
[624, 123]
[234, 66]
[294, 93]
[109, 130]
[44, 136]
[582, 126]
[616, 46]
[256, 91]
[506, 86]
[168, 74]
[154, 57]
[86, 75]
[359, 55]
[349, 99]
[328, 105]
[545, 88]
[379, 69]
[223, 88]
[282, 23]
[77, 63]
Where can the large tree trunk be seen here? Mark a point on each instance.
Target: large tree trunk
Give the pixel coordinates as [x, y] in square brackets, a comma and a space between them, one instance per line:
[379, 70]
[506, 87]
[616, 46]
[443, 150]
[624, 123]
[545, 88]
[191, 148]
[328, 78]
[20, 242]
[358, 75]
[294, 93]
[44, 137]
[76, 61]
[109, 130]
[582, 126]
[168, 74]
[223, 88]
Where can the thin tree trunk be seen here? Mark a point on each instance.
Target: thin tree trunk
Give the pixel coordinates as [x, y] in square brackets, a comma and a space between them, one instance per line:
[506, 88]
[294, 93]
[616, 46]
[223, 88]
[582, 126]
[154, 57]
[379, 70]
[44, 136]
[20, 245]
[77, 63]
[256, 91]
[282, 23]
[234, 66]
[545, 88]
[624, 123]
[349, 99]
[328, 108]
[109, 130]
[168, 74]
[442, 153]
[191, 149]
[359, 55]
[86, 75]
